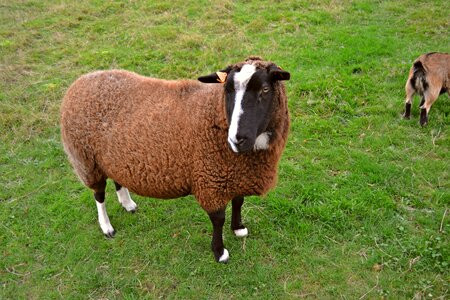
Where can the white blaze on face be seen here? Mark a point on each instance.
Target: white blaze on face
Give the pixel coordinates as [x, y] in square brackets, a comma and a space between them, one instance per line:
[241, 80]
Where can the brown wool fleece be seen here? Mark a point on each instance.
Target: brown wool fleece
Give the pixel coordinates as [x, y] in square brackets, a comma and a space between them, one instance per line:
[165, 139]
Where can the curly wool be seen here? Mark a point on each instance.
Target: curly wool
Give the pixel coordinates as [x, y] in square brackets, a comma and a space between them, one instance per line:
[165, 139]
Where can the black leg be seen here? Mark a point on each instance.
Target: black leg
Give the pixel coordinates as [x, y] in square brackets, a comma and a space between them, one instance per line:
[99, 191]
[99, 197]
[407, 114]
[217, 220]
[423, 116]
[236, 222]
[118, 186]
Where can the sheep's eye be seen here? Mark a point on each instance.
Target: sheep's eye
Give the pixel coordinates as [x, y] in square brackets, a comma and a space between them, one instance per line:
[266, 89]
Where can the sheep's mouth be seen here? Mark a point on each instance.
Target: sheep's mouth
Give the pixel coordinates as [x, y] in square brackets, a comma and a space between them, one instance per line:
[242, 145]
[246, 145]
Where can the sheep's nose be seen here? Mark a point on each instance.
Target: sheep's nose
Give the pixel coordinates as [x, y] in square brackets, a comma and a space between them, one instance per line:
[237, 142]
[240, 140]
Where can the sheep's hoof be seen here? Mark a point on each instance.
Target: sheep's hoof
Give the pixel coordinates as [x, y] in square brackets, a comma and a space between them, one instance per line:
[131, 210]
[242, 232]
[224, 257]
[107, 229]
[110, 234]
[406, 117]
[130, 206]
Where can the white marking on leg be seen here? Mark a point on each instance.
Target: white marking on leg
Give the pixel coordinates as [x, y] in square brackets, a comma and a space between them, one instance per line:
[241, 232]
[241, 80]
[225, 256]
[125, 199]
[262, 141]
[103, 219]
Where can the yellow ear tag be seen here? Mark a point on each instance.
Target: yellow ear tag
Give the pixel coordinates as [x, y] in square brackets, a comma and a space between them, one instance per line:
[222, 77]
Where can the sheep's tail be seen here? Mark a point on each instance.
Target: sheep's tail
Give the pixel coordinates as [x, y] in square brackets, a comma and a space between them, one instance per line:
[419, 80]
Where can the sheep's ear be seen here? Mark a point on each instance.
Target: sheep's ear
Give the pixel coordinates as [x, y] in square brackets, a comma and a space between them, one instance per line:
[279, 74]
[217, 77]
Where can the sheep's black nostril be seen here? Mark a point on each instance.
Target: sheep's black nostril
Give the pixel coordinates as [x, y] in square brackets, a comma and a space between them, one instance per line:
[240, 140]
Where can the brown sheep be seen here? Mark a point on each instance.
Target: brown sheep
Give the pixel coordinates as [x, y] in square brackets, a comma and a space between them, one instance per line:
[429, 77]
[168, 139]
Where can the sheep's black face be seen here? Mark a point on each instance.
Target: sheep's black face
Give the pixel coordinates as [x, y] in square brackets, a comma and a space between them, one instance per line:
[249, 93]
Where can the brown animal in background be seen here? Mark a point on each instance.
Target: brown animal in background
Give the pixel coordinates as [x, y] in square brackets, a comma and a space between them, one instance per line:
[168, 139]
[429, 77]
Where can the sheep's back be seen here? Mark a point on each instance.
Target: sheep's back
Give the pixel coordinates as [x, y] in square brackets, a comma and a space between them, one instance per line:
[139, 130]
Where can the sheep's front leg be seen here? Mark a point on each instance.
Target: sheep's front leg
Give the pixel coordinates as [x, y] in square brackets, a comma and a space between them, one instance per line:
[103, 219]
[236, 222]
[217, 220]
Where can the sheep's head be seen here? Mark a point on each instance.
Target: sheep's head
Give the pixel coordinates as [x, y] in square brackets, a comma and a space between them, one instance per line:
[250, 93]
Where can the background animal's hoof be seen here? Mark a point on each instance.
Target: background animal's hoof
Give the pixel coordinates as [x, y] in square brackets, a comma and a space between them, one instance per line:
[225, 256]
[423, 117]
[406, 117]
[241, 232]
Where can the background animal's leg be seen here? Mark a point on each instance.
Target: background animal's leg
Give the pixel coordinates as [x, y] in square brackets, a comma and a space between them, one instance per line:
[217, 220]
[103, 219]
[422, 101]
[430, 97]
[410, 91]
[236, 222]
[124, 198]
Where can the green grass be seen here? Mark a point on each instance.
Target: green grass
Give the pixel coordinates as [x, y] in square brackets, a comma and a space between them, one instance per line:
[360, 210]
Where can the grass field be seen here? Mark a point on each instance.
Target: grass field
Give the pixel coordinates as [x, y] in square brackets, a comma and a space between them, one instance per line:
[360, 210]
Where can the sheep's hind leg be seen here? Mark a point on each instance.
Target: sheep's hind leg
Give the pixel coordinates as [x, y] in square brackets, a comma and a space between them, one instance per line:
[217, 220]
[103, 219]
[236, 222]
[124, 198]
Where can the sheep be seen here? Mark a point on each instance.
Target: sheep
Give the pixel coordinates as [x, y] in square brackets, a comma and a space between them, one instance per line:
[219, 138]
[429, 77]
